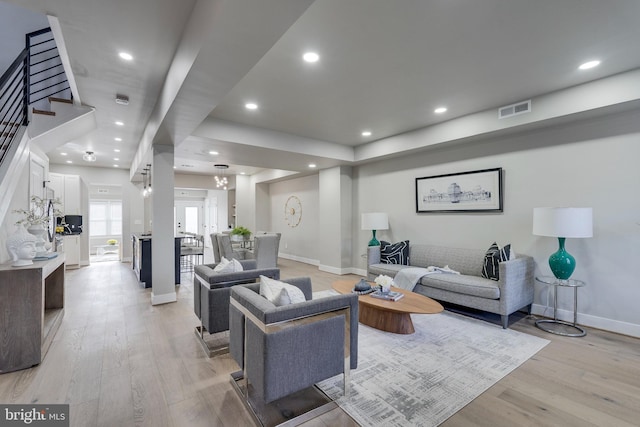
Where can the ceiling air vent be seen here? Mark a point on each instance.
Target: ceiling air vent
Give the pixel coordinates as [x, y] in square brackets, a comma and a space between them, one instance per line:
[514, 109]
[103, 191]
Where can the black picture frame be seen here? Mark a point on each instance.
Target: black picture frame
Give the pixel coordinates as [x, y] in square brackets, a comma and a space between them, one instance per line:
[473, 191]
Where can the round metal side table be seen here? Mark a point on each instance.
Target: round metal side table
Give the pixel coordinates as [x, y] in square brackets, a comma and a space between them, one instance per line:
[554, 325]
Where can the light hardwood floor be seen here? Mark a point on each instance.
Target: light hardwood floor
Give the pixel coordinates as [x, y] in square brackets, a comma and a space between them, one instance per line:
[118, 361]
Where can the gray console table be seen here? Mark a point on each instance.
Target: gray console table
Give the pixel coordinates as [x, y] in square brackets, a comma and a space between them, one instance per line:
[32, 303]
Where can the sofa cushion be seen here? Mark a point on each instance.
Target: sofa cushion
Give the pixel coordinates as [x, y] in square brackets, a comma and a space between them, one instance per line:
[280, 293]
[463, 284]
[494, 256]
[394, 253]
[466, 261]
[386, 269]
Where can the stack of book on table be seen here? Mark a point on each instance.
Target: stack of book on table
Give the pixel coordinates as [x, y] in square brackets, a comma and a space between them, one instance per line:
[389, 296]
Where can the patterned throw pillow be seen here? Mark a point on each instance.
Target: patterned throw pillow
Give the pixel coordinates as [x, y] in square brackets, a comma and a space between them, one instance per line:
[396, 253]
[495, 255]
[280, 293]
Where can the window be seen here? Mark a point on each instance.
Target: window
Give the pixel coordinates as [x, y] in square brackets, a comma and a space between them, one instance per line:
[105, 218]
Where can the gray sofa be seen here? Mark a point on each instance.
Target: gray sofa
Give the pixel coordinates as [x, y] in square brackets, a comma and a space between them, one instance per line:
[512, 292]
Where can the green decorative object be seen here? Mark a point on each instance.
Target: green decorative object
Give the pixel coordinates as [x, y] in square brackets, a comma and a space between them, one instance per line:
[241, 231]
[562, 263]
[563, 223]
[374, 241]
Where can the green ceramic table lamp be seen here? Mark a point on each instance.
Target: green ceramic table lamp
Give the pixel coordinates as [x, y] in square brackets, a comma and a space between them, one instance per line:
[375, 221]
[562, 223]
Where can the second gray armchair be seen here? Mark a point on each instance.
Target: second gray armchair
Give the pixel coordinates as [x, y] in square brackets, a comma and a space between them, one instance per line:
[286, 349]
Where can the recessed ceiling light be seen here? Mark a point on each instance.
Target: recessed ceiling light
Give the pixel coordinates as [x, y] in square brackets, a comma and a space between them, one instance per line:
[251, 106]
[213, 153]
[115, 166]
[116, 159]
[63, 154]
[243, 173]
[117, 139]
[116, 150]
[589, 64]
[312, 165]
[119, 123]
[69, 161]
[175, 167]
[440, 110]
[126, 56]
[366, 133]
[311, 57]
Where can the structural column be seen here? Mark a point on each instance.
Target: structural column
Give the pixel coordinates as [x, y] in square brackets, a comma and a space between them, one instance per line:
[335, 217]
[163, 239]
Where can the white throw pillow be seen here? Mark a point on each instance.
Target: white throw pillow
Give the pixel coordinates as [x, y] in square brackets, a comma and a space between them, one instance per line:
[280, 293]
[237, 266]
[228, 266]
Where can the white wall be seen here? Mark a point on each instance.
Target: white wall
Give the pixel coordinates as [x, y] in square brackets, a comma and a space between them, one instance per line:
[301, 242]
[20, 201]
[15, 22]
[590, 163]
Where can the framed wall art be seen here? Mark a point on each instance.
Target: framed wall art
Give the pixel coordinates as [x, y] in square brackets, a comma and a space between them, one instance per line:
[474, 191]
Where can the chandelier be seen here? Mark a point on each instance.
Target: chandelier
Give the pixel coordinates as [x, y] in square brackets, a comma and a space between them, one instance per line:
[146, 182]
[221, 181]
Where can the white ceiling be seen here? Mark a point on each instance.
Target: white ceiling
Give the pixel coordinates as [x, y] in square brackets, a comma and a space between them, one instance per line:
[384, 66]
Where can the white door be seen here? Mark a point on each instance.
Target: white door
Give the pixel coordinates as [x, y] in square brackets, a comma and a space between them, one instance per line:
[36, 179]
[189, 217]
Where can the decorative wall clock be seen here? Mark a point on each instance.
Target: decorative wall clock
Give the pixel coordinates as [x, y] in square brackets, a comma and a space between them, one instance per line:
[293, 211]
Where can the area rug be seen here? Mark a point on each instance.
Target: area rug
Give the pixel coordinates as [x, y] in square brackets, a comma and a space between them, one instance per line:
[423, 378]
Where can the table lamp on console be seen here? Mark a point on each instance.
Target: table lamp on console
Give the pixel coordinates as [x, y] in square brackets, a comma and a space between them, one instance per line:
[562, 223]
[375, 221]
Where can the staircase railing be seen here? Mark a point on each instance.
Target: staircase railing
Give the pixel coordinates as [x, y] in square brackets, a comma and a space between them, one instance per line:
[36, 74]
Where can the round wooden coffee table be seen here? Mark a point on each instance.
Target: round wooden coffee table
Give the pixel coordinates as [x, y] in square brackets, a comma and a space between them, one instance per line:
[390, 316]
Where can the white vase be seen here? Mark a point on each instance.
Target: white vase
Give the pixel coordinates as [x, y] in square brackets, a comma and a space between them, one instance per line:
[21, 245]
[40, 232]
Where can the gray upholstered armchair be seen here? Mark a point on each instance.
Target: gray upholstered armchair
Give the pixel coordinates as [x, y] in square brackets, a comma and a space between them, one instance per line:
[211, 292]
[289, 348]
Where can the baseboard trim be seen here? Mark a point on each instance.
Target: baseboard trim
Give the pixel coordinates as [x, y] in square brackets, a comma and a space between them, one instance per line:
[164, 298]
[299, 259]
[624, 328]
[359, 272]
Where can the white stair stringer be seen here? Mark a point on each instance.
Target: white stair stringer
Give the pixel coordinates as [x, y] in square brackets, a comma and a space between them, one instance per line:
[70, 122]
[11, 169]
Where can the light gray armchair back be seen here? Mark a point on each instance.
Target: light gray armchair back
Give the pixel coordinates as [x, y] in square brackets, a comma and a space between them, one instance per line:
[289, 348]
[265, 250]
[227, 251]
[216, 248]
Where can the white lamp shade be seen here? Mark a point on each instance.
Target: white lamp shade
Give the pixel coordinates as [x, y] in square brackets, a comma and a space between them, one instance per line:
[563, 222]
[375, 221]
